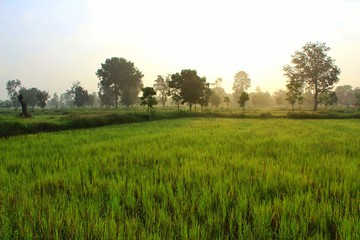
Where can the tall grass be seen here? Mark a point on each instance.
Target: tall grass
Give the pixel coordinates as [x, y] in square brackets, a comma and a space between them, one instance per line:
[184, 179]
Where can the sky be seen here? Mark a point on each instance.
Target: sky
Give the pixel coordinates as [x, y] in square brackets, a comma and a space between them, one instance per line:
[50, 44]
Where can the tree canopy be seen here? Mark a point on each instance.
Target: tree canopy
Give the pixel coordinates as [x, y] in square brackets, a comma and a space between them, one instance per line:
[148, 98]
[244, 97]
[314, 69]
[241, 83]
[161, 85]
[189, 88]
[120, 81]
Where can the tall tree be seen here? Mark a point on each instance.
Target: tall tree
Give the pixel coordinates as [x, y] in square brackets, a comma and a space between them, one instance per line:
[54, 101]
[34, 97]
[78, 94]
[161, 85]
[192, 88]
[122, 79]
[314, 68]
[294, 88]
[12, 87]
[175, 88]
[29, 96]
[41, 98]
[227, 101]
[218, 92]
[148, 98]
[244, 97]
[106, 96]
[241, 83]
[205, 94]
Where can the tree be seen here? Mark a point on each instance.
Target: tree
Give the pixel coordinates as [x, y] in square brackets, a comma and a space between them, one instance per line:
[218, 92]
[205, 95]
[6, 104]
[121, 79]
[34, 97]
[11, 87]
[314, 69]
[345, 95]
[192, 87]
[227, 101]
[66, 100]
[161, 85]
[280, 97]
[214, 99]
[24, 113]
[54, 101]
[93, 100]
[244, 97]
[241, 83]
[148, 98]
[357, 97]
[260, 99]
[106, 96]
[78, 94]
[29, 96]
[41, 98]
[175, 88]
[328, 99]
[294, 90]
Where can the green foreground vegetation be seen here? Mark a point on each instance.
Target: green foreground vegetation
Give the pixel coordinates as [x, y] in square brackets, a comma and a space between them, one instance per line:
[196, 178]
[66, 119]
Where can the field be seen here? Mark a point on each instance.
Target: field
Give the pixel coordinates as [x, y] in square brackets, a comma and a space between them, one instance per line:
[191, 178]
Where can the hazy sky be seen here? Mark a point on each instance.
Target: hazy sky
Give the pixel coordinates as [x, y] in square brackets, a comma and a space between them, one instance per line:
[50, 44]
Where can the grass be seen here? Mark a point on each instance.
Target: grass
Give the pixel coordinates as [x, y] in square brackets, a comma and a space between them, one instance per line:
[184, 179]
[66, 119]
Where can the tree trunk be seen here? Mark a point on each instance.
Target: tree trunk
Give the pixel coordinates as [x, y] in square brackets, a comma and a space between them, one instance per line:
[316, 101]
[24, 113]
[316, 96]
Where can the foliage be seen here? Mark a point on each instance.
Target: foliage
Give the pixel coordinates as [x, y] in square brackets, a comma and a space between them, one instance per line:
[188, 87]
[11, 87]
[161, 85]
[261, 99]
[175, 88]
[314, 69]
[34, 97]
[54, 101]
[328, 99]
[294, 87]
[241, 83]
[217, 90]
[280, 97]
[244, 97]
[119, 80]
[257, 179]
[78, 94]
[148, 98]
[227, 101]
[214, 99]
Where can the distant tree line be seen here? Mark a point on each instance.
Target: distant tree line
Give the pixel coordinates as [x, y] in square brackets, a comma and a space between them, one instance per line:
[311, 77]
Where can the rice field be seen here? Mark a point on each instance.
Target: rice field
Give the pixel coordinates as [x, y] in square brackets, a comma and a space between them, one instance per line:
[202, 178]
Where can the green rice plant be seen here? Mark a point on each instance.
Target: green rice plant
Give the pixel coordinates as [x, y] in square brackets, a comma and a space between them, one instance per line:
[195, 178]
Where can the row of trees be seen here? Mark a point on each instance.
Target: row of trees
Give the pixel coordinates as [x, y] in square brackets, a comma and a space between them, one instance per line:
[34, 97]
[311, 74]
